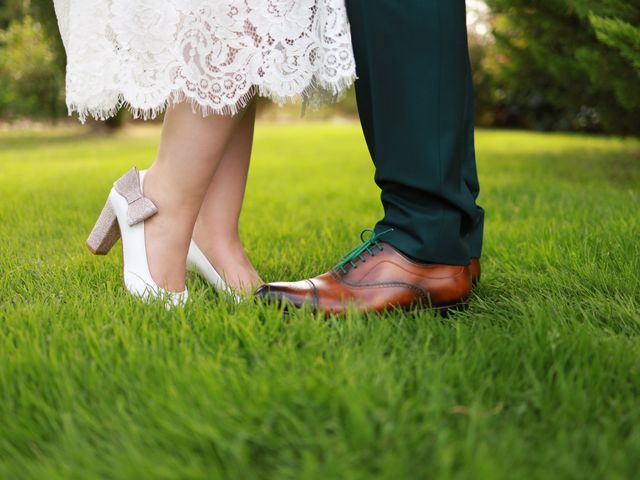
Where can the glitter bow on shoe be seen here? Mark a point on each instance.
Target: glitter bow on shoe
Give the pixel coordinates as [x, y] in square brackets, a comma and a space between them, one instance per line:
[140, 207]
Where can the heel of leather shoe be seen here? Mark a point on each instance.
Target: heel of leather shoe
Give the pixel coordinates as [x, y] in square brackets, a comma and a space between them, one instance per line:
[105, 233]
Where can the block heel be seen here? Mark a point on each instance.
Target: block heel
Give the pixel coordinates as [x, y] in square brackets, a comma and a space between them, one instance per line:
[105, 233]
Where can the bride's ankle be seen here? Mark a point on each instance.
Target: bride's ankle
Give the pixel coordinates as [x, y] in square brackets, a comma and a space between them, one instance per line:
[219, 239]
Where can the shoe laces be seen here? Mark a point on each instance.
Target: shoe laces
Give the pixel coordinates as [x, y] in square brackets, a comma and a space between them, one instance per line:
[368, 246]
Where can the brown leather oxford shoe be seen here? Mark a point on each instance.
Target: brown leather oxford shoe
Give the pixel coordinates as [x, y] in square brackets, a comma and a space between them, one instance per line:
[376, 277]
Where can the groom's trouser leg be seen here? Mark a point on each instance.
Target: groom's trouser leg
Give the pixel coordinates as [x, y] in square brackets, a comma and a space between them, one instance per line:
[474, 233]
[416, 106]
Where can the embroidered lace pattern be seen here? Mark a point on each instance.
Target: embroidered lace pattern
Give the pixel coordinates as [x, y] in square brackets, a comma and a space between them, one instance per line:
[216, 54]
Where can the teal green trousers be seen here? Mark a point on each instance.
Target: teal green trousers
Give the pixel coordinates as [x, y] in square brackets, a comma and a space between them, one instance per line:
[415, 98]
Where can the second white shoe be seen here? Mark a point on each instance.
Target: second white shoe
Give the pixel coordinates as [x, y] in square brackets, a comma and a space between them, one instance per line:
[198, 262]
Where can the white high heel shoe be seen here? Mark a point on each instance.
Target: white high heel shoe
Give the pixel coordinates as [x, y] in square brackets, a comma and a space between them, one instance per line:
[198, 262]
[123, 216]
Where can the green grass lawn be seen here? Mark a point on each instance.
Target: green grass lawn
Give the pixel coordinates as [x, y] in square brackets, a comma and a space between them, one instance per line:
[540, 378]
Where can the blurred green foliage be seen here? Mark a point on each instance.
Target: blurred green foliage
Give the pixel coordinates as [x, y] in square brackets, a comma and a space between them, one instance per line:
[30, 82]
[567, 64]
[32, 61]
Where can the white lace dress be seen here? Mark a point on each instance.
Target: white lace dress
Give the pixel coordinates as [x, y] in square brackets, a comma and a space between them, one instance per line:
[216, 54]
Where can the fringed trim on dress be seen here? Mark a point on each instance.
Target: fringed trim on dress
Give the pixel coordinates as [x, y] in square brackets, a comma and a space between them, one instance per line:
[315, 94]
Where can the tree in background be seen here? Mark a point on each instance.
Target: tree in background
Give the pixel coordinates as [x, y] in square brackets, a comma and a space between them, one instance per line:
[31, 61]
[568, 64]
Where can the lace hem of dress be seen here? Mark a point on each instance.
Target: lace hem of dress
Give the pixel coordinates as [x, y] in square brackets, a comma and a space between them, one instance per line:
[316, 94]
[215, 54]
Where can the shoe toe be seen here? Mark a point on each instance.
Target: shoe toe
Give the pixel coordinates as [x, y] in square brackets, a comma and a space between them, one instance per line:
[279, 293]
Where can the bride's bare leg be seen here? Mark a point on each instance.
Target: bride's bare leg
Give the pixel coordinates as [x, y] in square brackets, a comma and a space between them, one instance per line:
[216, 230]
[191, 148]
